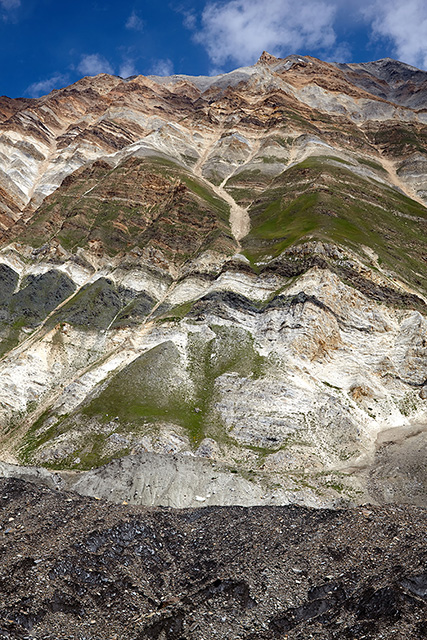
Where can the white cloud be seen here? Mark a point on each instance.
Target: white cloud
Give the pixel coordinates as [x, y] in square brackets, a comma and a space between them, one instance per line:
[405, 24]
[239, 30]
[7, 10]
[190, 20]
[91, 65]
[127, 68]
[134, 22]
[10, 4]
[162, 68]
[43, 87]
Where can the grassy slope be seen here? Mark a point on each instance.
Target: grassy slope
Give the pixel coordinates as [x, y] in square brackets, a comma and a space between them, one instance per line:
[316, 199]
[141, 203]
[157, 388]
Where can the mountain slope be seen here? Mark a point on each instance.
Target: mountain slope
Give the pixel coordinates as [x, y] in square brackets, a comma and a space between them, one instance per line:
[230, 267]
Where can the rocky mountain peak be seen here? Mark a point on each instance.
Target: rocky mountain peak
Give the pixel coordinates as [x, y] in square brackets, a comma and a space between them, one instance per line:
[266, 58]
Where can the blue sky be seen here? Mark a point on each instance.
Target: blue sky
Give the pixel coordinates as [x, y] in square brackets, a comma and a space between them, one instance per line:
[46, 44]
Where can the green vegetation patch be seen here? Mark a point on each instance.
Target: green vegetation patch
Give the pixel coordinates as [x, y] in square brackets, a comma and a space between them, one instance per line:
[166, 313]
[372, 164]
[151, 389]
[158, 389]
[37, 436]
[329, 159]
[318, 200]
[155, 388]
[28, 307]
[208, 196]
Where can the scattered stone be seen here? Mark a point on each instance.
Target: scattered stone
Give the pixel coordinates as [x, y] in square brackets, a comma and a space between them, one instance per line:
[259, 573]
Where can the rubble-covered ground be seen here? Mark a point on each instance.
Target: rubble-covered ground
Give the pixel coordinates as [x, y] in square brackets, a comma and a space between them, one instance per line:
[84, 569]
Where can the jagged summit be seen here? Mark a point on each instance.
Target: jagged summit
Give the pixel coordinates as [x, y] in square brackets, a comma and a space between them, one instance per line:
[266, 58]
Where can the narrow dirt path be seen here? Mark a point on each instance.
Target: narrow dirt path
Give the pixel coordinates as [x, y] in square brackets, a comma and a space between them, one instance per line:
[239, 217]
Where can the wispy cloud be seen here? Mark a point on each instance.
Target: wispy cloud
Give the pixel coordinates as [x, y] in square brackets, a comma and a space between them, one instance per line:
[43, 87]
[405, 25]
[239, 30]
[189, 19]
[341, 53]
[94, 63]
[127, 68]
[8, 11]
[134, 22]
[162, 68]
[7, 5]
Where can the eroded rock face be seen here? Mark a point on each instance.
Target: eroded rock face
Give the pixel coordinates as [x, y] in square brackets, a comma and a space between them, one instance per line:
[288, 389]
[240, 279]
[217, 123]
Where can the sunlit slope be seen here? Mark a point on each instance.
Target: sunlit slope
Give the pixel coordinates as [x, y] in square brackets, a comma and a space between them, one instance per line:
[142, 203]
[321, 199]
[229, 267]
